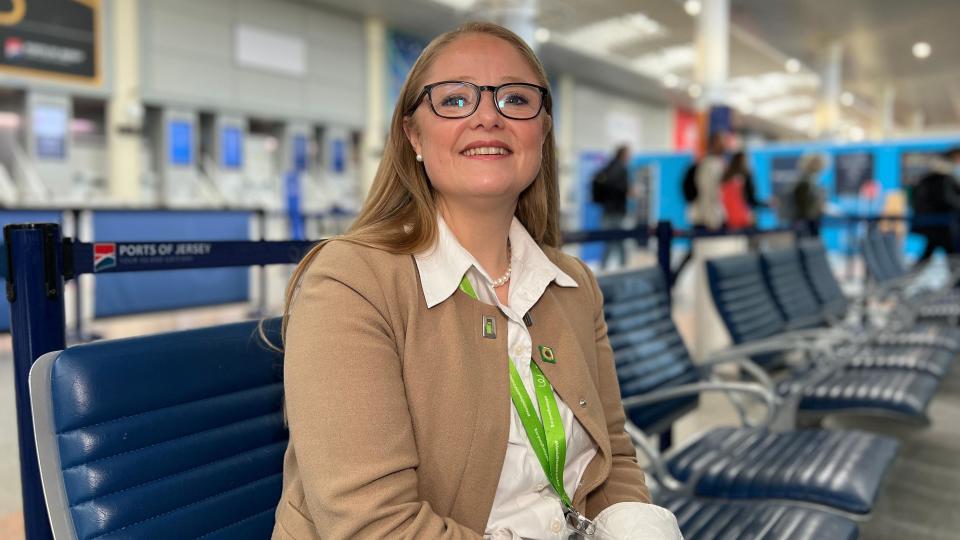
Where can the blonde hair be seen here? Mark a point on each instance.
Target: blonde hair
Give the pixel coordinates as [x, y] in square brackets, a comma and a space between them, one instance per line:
[400, 212]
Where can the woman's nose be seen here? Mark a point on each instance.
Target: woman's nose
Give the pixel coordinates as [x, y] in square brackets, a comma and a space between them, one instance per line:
[487, 114]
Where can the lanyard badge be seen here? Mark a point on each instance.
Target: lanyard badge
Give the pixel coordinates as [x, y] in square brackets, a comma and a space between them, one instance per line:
[548, 440]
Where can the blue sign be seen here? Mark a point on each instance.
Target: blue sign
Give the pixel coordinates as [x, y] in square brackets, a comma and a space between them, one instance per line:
[180, 134]
[231, 148]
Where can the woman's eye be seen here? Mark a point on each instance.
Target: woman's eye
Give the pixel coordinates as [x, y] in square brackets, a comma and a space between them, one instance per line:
[454, 101]
[514, 99]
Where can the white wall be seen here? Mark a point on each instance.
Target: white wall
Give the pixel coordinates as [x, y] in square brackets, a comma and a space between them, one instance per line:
[603, 120]
[189, 58]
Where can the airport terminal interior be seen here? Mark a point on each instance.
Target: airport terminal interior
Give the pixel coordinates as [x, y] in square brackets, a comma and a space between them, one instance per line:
[768, 193]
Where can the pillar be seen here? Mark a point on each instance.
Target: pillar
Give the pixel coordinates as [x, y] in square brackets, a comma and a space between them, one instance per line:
[125, 108]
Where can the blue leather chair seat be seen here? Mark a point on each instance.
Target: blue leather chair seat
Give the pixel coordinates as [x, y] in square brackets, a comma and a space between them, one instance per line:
[177, 435]
[706, 519]
[805, 465]
[933, 361]
[894, 390]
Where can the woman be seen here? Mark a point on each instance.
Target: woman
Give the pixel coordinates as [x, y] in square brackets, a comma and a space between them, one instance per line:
[735, 193]
[408, 339]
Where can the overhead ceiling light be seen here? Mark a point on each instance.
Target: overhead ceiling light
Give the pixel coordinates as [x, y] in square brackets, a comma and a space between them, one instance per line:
[605, 35]
[694, 91]
[542, 35]
[692, 7]
[847, 99]
[670, 80]
[792, 65]
[922, 49]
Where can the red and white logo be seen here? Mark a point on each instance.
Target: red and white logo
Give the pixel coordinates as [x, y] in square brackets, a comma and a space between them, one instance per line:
[104, 256]
[13, 47]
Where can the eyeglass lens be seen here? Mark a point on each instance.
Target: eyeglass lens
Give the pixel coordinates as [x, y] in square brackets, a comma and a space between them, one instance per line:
[457, 100]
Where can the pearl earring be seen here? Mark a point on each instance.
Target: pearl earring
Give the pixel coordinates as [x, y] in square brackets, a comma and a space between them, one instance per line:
[419, 158]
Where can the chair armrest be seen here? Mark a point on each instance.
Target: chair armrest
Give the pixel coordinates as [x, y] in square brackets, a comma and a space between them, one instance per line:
[657, 464]
[751, 389]
[751, 367]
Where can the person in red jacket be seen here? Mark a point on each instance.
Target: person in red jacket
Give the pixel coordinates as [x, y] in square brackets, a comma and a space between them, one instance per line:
[734, 194]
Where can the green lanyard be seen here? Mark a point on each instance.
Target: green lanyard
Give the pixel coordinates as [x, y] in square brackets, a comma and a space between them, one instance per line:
[547, 437]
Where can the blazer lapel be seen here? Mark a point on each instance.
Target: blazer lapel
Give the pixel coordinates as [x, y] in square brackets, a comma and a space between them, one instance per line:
[569, 375]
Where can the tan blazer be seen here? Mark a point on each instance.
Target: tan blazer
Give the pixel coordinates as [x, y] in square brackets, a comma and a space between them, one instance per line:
[399, 414]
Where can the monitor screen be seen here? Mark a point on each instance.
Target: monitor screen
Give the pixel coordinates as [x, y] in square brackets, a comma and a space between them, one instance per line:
[231, 147]
[181, 142]
[50, 131]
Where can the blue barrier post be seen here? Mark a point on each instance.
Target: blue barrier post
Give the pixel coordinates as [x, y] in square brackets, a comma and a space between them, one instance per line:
[37, 324]
[664, 250]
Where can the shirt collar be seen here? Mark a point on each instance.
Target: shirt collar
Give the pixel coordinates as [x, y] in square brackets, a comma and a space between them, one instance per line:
[443, 266]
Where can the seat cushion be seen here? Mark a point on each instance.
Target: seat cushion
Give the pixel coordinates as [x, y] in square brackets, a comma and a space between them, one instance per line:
[707, 519]
[933, 361]
[886, 390]
[841, 469]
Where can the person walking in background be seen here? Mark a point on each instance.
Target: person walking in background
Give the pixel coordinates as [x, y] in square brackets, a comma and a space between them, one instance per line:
[736, 193]
[707, 210]
[938, 193]
[610, 189]
[701, 191]
[807, 196]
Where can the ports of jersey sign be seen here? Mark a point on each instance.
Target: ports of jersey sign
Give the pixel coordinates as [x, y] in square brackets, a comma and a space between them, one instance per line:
[51, 39]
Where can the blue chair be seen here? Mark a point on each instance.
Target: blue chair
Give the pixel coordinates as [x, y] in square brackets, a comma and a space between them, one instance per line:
[836, 306]
[893, 279]
[177, 435]
[825, 385]
[701, 519]
[800, 307]
[659, 383]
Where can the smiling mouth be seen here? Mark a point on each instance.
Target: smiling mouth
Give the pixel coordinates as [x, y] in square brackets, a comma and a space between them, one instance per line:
[486, 151]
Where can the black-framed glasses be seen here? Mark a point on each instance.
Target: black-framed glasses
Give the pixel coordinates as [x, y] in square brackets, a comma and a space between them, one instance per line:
[460, 99]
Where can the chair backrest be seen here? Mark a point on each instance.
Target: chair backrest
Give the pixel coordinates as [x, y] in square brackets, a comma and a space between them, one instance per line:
[784, 276]
[176, 435]
[891, 248]
[649, 352]
[744, 302]
[816, 266]
[876, 255]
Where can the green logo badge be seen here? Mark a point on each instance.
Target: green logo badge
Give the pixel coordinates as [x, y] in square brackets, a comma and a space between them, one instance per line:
[488, 328]
[546, 354]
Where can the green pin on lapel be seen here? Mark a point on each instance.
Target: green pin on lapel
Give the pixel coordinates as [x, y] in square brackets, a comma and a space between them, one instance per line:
[546, 354]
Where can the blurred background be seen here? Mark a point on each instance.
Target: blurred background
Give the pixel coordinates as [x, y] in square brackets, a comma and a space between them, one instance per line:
[238, 119]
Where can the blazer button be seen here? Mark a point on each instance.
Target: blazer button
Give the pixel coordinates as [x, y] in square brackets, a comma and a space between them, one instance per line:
[583, 402]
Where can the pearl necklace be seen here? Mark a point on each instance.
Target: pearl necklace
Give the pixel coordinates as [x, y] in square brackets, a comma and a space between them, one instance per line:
[502, 280]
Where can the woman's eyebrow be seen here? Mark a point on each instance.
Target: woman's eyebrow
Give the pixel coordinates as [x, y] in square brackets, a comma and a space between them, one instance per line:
[506, 78]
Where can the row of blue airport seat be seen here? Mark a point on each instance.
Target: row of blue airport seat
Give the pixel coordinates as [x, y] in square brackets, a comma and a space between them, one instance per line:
[182, 435]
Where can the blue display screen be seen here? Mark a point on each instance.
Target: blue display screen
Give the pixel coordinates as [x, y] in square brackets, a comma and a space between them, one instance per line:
[181, 142]
[339, 161]
[50, 131]
[231, 148]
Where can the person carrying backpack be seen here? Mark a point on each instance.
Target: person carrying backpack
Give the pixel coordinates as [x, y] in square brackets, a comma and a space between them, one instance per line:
[610, 187]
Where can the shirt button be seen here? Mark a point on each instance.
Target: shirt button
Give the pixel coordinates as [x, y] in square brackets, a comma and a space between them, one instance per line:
[556, 525]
